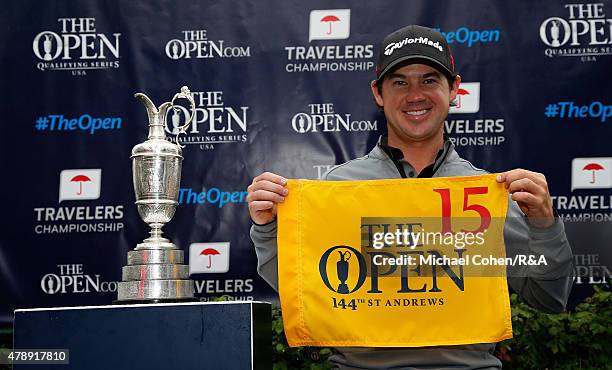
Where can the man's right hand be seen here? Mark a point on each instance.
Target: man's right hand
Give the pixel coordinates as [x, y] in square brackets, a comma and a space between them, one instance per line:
[265, 192]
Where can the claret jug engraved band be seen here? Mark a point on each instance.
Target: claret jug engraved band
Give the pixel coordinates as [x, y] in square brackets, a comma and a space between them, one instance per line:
[155, 269]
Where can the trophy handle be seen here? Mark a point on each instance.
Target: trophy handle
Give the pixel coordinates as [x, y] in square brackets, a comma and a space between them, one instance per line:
[151, 109]
[184, 94]
[345, 255]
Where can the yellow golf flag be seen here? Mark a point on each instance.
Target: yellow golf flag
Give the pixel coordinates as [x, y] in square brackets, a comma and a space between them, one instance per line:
[394, 263]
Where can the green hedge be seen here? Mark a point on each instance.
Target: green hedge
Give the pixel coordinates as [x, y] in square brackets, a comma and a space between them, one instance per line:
[581, 339]
[4, 366]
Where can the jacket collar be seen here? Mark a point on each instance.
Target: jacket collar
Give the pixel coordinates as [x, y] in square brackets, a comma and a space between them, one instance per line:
[384, 151]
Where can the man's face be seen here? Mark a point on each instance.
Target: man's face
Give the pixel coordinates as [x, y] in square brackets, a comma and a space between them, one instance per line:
[416, 100]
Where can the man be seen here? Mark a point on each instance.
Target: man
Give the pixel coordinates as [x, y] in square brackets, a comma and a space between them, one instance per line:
[416, 83]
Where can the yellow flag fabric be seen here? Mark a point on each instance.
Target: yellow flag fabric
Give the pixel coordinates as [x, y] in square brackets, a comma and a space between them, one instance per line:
[394, 263]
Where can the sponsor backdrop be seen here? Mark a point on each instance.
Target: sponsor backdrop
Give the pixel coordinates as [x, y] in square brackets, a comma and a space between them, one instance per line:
[281, 86]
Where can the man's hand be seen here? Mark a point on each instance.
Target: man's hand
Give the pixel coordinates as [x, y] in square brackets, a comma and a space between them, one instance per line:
[265, 192]
[530, 191]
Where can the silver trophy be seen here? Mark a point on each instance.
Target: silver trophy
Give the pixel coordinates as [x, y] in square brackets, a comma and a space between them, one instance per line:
[155, 271]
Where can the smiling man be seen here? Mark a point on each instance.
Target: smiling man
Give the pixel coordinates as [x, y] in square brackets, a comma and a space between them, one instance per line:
[415, 85]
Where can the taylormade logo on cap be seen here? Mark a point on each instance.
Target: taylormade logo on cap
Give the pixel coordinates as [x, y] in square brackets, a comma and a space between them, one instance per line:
[390, 48]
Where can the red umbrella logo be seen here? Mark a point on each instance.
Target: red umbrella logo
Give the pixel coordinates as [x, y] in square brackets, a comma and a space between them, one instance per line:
[80, 179]
[330, 19]
[459, 93]
[209, 252]
[593, 167]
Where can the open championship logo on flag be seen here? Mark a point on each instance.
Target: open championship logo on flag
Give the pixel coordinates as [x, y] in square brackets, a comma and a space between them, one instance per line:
[209, 258]
[80, 184]
[592, 173]
[333, 24]
[353, 262]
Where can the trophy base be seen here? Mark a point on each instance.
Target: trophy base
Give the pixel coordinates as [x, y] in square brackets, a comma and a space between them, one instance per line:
[155, 275]
[149, 301]
[165, 271]
[150, 290]
[156, 244]
[154, 256]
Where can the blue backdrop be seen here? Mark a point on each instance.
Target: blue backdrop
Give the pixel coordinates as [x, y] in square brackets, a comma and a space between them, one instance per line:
[281, 86]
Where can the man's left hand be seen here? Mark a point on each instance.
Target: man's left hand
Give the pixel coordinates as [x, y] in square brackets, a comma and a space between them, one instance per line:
[530, 191]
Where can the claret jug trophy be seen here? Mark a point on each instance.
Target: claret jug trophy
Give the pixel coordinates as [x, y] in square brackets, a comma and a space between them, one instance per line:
[155, 270]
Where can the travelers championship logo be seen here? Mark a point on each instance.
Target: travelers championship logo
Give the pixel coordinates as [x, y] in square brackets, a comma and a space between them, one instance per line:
[76, 46]
[331, 24]
[79, 185]
[323, 118]
[591, 173]
[196, 44]
[205, 258]
[215, 122]
[590, 199]
[71, 184]
[589, 210]
[472, 132]
[209, 258]
[468, 98]
[585, 32]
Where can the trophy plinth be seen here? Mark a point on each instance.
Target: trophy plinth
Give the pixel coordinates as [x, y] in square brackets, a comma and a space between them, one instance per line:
[156, 271]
